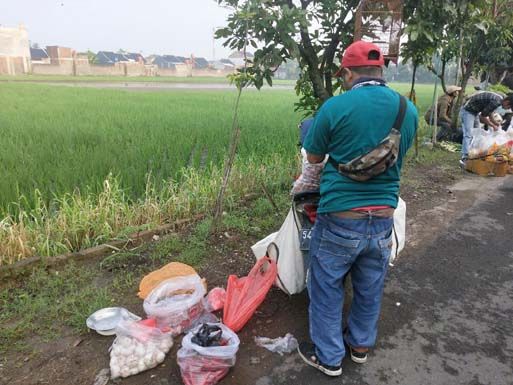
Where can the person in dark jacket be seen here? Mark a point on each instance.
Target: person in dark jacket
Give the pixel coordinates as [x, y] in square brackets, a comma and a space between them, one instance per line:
[443, 116]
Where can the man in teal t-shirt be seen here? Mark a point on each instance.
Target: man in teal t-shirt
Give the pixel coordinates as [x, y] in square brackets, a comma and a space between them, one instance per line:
[354, 224]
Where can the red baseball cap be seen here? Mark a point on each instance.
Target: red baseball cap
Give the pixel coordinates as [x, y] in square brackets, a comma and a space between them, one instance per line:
[357, 55]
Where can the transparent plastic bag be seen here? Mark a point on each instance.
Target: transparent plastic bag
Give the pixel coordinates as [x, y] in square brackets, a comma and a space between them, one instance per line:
[481, 141]
[280, 345]
[207, 365]
[138, 346]
[176, 302]
[153, 279]
[205, 317]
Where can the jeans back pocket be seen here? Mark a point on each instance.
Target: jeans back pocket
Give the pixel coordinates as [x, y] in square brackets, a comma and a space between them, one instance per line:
[336, 250]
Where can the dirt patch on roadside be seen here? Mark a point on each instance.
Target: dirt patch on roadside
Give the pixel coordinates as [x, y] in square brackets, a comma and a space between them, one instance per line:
[76, 359]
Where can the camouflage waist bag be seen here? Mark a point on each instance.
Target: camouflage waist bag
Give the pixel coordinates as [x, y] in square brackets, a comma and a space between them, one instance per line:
[380, 158]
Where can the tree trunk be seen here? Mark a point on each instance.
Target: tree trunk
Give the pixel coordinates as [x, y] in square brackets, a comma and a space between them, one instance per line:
[412, 98]
[441, 75]
[308, 53]
[457, 106]
[234, 142]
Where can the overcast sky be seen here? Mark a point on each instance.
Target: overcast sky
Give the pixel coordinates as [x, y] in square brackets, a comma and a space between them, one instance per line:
[179, 27]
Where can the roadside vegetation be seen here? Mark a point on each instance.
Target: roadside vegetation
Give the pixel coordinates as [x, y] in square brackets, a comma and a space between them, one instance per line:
[83, 166]
[49, 302]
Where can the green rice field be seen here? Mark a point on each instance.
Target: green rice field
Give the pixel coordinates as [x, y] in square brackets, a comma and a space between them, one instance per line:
[81, 165]
[57, 139]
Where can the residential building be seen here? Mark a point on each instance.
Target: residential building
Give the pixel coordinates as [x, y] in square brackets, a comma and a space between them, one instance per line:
[237, 58]
[14, 50]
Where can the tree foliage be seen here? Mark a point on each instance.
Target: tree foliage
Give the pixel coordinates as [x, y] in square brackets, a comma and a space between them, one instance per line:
[477, 33]
[311, 32]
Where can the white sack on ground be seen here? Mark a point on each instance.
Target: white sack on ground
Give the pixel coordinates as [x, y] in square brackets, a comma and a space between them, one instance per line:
[291, 269]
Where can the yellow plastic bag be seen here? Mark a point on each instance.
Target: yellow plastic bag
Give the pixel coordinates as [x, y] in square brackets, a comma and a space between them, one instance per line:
[171, 270]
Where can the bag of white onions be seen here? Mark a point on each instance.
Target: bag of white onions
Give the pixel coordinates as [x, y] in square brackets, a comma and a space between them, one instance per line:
[176, 302]
[138, 346]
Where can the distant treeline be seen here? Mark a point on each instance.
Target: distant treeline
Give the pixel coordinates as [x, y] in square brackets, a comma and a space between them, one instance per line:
[401, 73]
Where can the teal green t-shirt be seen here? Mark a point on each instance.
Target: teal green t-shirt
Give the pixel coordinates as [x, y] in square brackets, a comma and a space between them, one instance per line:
[350, 125]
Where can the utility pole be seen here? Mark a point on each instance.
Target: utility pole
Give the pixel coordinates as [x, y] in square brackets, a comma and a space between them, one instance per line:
[213, 43]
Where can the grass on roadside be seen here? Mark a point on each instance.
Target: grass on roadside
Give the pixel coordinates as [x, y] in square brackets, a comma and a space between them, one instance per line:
[47, 301]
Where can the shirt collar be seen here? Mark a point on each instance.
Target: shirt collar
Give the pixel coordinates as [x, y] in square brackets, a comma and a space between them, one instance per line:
[368, 81]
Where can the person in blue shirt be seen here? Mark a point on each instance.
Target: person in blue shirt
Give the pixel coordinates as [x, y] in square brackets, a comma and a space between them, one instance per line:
[353, 229]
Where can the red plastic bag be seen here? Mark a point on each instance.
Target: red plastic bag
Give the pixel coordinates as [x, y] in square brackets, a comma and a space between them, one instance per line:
[198, 370]
[244, 295]
[215, 299]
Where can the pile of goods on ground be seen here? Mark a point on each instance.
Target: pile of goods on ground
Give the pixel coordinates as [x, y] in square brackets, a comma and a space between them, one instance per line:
[491, 152]
[176, 302]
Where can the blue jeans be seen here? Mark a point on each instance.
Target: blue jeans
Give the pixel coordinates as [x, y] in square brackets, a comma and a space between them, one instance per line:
[338, 246]
[469, 121]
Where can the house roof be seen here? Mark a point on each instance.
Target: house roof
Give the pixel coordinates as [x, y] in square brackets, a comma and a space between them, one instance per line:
[240, 55]
[200, 62]
[38, 54]
[222, 64]
[135, 57]
[174, 59]
[108, 57]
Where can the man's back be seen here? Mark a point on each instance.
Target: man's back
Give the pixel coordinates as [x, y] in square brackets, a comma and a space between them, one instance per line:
[484, 102]
[349, 125]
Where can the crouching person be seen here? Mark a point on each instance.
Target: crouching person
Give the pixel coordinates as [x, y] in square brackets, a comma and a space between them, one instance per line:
[366, 131]
[443, 118]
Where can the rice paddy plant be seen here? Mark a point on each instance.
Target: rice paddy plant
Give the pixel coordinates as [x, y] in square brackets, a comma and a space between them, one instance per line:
[82, 166]
[86, 220]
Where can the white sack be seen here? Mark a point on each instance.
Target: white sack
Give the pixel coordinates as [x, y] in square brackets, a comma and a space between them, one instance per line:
[399, 230]
[291, 269]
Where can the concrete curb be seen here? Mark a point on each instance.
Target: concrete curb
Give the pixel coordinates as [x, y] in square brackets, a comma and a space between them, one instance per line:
[26, 265]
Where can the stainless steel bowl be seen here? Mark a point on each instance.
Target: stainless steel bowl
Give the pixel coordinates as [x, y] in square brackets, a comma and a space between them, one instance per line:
[104, 321]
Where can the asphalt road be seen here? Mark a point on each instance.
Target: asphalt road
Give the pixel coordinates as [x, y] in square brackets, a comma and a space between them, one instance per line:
[447, 314]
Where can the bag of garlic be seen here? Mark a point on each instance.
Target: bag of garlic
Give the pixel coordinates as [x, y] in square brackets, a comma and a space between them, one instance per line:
[138, 346]
[207, 365]
[176, 302]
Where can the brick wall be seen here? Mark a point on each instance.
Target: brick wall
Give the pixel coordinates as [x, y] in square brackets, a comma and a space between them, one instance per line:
[81, 67]
[53, 69]
[13, 65]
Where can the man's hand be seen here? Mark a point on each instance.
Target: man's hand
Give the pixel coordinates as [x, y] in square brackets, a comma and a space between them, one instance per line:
[313, 159]
[486, 120]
